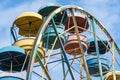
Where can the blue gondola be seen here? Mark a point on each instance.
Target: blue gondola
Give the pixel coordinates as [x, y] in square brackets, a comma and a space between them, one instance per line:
[93, 66]
[12, 56]
[103, 46]
[49, 8]
[49, 37]
[10, 78]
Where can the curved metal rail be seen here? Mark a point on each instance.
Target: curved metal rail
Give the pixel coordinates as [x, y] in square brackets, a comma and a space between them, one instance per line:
[44, 26]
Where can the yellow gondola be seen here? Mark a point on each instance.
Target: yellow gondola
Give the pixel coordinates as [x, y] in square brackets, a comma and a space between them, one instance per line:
[27, 44]
[28, 23]
[109, 76]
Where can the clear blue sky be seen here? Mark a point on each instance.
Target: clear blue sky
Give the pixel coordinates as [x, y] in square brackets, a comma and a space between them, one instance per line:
[106, 11]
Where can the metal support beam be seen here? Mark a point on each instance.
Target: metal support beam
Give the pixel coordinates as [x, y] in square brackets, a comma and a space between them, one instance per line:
[80, 45]
[63, 51]
[97, 49]
[109, 36]
[113, 60]
[31, 63]
[44, 68]
[63, 66]
[13, 35]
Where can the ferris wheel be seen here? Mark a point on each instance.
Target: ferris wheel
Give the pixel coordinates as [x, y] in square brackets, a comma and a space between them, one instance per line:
[59, 43]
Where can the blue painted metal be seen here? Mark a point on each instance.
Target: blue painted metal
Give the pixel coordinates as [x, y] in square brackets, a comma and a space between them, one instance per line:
[97, 49]
[63, 66]
[93, 66]
[102, 47]
[10, 78]
[63, 51]
[13, 54]
[50, 36]
[12, 32]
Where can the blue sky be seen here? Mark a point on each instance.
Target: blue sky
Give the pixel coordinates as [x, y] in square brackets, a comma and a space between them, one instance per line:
[106, 11]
